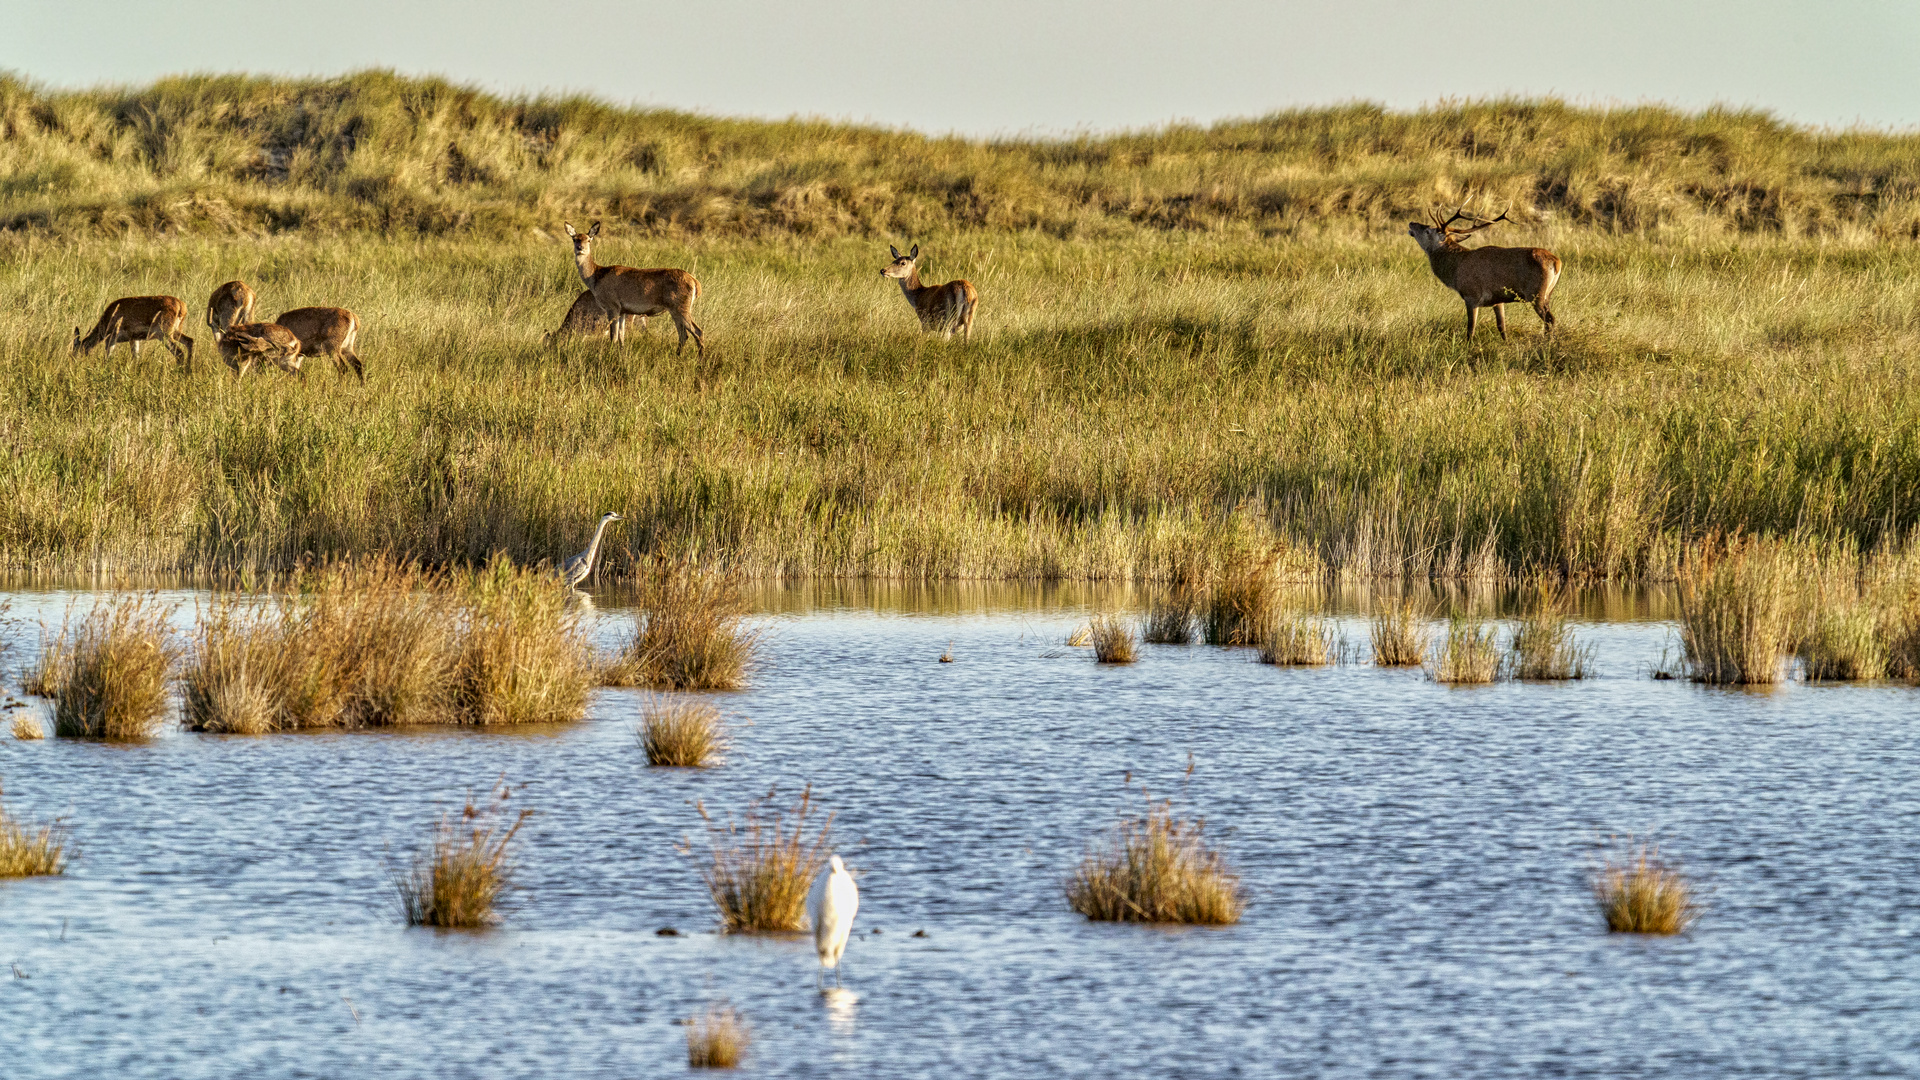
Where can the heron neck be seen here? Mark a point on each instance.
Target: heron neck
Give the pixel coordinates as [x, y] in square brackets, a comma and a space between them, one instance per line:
[594, 548]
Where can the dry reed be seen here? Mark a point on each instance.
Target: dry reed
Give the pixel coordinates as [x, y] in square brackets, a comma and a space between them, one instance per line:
[718, 1040]
[1735, 622]
[1240, 606]
[688, 634]
[524, 658]
[1640, 894]
[681, 734]
[759, 871]
[1296, 640]
[1395, 635]
[1844, 643]
[1170, 619]
[1113, 641]
[1156, 869]
[460, 880]
[1543, 646]
[1469, 653]
[25, 728]
[30, 850]
[108, 676]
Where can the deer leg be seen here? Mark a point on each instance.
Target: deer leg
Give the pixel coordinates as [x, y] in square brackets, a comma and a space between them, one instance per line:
[1500, 319]
[135, 344]
[1545, 313]
[353, 358]
[1472, 317]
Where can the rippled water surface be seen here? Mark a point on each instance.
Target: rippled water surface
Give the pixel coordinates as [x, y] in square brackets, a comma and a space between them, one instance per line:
[1417, 857]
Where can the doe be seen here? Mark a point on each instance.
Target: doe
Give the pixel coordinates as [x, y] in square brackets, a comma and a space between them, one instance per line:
[135, 319]
[1488, 276]
[327, 331]
[944, 308]
[622, 291]
[229, 305]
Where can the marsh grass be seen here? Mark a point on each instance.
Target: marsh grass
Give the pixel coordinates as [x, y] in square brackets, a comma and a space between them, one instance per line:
[1469, 653]
[28, 849]
[1297, 640]
[1395, 634]
[718, 1040]
[759, 869]
[1844, 643]
[1900, 629]
[108, 675]
[678, 733]
[1169, 619]
[1240, 605]
[25, 728]
[523, 656]
[1112, 639]
[459, 881]
[1543, 647]
[689, 633]
[1156, 869]
[1639, 893]
[1735, 618]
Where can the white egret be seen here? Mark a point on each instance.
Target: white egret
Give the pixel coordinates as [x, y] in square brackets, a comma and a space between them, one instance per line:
[830, 907]
[578, 567]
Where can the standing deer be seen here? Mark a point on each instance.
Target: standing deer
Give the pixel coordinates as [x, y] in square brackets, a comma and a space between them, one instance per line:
[230, 303]
[244, 344]
[1488, 276]
[622, 291]
[945, 308]
[584, 318]
[327, 331]
[136, 319]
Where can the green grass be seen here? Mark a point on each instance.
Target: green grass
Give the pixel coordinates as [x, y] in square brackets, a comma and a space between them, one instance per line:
[1193, 345]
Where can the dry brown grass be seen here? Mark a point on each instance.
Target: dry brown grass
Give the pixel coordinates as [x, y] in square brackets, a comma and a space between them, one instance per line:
[1296, 640]
[25, 728]
[1396, 636]
[524, 658]
[108, 675]
[1113, 641]
[1638, 893]
[759, 870]
[28, 849]
[718, 1040]
[459, 881]
[1156, 869]
[1735, 613]
[1240, 605]
[1170, 619]
[1900, 629]
[1543, 647]
[1470, 653]
[683, 734]
[689, 633]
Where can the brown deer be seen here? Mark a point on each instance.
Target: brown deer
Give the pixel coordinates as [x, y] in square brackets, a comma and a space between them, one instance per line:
[136, 319]
[230, 303]
[945, 308]
[327, 331]
[622, 290]
[244, 344]
[583, 318]
[1488, 276]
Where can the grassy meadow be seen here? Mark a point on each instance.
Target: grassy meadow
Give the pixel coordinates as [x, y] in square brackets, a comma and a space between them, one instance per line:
[1194, 345]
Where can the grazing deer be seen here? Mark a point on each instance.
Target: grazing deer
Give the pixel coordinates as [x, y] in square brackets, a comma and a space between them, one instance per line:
[1488, 276]
[584, 318]
[622, 291]
[230, 303]
[327, 331]
[945, 308]
[243, 344]
[136, 319]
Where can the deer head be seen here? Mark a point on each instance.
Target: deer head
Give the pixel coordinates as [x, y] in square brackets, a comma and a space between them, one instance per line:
[582, 241]
[1442, 235]
[902, 265]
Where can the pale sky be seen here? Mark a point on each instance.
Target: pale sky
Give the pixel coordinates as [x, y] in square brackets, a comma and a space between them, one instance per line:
[996, 67]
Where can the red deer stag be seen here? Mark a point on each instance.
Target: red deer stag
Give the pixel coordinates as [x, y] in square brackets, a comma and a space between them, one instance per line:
[244, 344]
[1488, 276]
[327, 331]
[230, 304]
[945, 308]
[622, 291]
[584, 319]
[136, 319]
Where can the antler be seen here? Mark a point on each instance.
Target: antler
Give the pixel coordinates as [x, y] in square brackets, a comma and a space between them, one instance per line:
[1455, 234]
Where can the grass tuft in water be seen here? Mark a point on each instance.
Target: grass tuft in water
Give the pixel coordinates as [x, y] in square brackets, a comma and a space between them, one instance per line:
[28, 849]
[759, 870]
[459, 881]
[1113, 641]
[1639, 893]
[683, 734]
[689, 633]
[1396, 636]
[1156, 869]
[1170, 619]
[1296, 640]
[1240, 606]
[108, 676]
[25, 728]
[1470, 653]
[717, 1040]
[1543, 646]
[524, 658]
[1735, 622]
[1844, 644]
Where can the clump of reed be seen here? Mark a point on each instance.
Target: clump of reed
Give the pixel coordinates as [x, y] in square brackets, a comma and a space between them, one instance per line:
[1900, 630]
[459, 881]
[1156, 869]
[1469, 653]
[689, 633]
[1735, 621]
[25, 728]
[1395, 634]
[1169, 619]
[30, 850]
[1543, 646]
[1296, 640]
[1843, 643]
[108, 676]
[1639, 893]
[1240, 605]
[1113, 641]
[523, 657]
[759, 870]
[718, 1040]
[683, 734]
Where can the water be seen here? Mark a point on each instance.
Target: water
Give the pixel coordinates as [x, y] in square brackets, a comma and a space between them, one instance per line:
[1417, 856]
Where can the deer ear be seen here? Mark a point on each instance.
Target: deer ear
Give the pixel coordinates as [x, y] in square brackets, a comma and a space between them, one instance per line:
[595, 231]
[895, 250]
[568, 225]
[915, 253]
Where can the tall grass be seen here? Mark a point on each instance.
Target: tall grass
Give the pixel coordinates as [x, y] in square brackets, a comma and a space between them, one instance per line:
[1241, 604]
[458, 882]
[524, 658]
[1113, 641]
[689, 633]
[1156, 869]
[1543, 646]
[1469, 653]
[759, 869]
[681, 734]
[28, 849]
[1735, 614]
[1295, 640]
[1639, 893]
[717, 1040]
[1169, 619]
[1394, 632]
[108, 675]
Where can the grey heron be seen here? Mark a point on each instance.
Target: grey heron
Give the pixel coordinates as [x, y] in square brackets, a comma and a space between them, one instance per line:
[577, 569]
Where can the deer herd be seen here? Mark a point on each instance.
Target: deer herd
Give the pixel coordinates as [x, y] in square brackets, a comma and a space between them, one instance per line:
[1487, 276]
